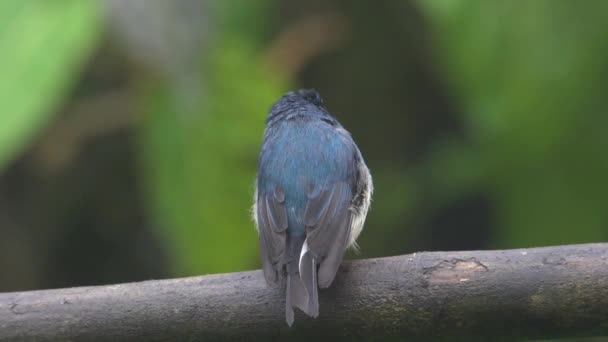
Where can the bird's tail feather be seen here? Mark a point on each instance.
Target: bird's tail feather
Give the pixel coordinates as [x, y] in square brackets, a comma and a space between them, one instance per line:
[308, 275]
[296, 297]
[302, 290]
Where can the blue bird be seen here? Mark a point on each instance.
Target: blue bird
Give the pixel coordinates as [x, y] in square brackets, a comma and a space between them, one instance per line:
[313, 191]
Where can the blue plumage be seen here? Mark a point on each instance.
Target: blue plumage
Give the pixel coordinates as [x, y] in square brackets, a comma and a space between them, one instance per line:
[299, 155]
[313, 191]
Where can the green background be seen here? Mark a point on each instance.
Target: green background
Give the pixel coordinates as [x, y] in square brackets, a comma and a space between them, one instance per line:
[129, 134]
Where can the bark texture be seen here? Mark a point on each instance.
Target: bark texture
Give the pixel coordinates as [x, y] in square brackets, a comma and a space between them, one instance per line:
[535, 293]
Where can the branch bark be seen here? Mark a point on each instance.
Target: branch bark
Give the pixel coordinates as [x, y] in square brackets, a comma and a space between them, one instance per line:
[492, 295]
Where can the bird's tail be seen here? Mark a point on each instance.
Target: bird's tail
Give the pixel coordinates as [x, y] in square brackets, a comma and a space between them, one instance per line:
[308, 276]
[302, 290]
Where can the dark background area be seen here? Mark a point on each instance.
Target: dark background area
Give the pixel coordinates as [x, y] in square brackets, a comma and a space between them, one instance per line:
[130, 130]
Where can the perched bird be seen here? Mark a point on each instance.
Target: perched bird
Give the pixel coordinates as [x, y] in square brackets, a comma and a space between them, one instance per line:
[313, 191]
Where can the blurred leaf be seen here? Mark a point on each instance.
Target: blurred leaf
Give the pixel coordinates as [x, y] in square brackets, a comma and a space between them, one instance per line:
[202, 165]
[201, 155]
[532, 80]
[42, 44]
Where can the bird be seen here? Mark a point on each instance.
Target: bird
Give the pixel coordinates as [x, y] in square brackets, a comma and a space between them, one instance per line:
[312, 194]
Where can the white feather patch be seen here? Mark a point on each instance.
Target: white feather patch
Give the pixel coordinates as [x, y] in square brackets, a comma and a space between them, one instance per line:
[304, 250]
[359, 214]
[254, 208]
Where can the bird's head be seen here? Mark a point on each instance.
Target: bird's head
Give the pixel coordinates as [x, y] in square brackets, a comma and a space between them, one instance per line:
[303, 102]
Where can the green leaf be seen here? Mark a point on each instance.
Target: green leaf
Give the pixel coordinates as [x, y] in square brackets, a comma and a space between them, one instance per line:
[42, 44]
[531, 78]
[201, 163]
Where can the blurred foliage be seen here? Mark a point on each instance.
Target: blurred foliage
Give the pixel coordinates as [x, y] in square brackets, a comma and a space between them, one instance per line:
[42, 43]
[532, 80]
[482, 123]
[201, 159]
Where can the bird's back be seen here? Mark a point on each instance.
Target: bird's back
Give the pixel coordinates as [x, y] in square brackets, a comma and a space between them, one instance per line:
[312, 194]
[299, 156]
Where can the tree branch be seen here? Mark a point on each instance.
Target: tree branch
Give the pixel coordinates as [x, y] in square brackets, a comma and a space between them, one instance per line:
[510, 294]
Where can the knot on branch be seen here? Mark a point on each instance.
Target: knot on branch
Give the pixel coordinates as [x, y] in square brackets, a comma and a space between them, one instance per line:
[455, 270]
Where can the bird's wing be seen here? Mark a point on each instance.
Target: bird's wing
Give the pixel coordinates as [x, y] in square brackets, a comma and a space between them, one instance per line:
[272, 224]
[328, 223]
